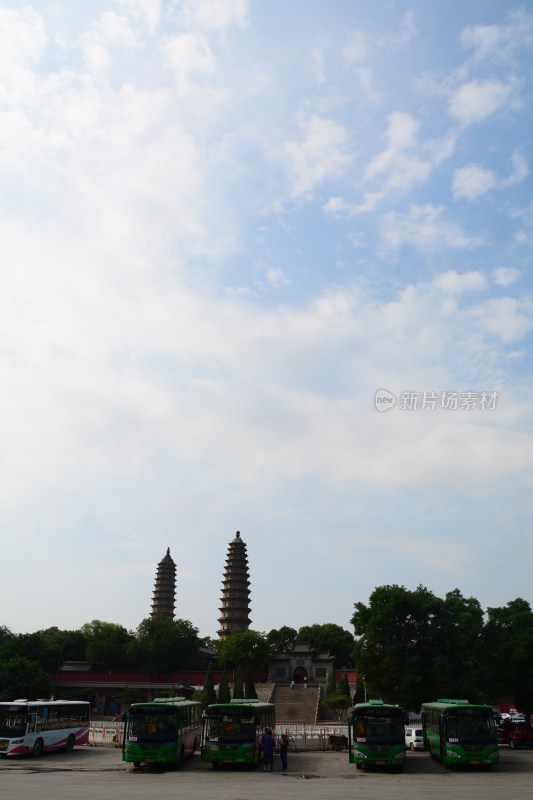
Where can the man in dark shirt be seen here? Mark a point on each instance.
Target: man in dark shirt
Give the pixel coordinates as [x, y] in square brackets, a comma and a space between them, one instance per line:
[268, 745]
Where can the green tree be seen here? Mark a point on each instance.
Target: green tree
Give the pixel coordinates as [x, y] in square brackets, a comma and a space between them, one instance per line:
[72, 644]
[508, 643]
[344, 685]
[21, 677]
[107, 645]
[399, 647]
[209, 694]
[164, 645]
[249, 686]
[238, 688]
[331, 683]
[461, 625]
[330, 638]
[224, 693]
[338, 696]
[244, 649]
[282, 640]
[34, 647]
[5, 634]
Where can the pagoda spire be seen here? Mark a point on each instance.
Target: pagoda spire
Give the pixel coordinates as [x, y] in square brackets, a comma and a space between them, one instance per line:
[235, 601]
[164, 594]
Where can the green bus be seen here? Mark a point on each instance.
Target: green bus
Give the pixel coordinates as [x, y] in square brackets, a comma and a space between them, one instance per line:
[231, 732]
[376, 735]
[164, 731]
[458, 732]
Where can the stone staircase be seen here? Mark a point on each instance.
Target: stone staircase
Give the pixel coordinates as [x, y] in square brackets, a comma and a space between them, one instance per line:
[296, 705]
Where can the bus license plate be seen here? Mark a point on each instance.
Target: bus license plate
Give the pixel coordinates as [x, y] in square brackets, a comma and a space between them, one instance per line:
[380, 763]
[474, 762]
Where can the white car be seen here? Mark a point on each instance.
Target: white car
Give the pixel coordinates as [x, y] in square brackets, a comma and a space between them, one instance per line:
[414, 739]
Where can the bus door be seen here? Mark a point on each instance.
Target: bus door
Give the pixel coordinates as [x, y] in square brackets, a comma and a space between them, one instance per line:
[32, 723]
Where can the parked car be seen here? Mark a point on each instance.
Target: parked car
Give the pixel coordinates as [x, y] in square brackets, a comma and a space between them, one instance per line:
[515, 734]
[414, 739]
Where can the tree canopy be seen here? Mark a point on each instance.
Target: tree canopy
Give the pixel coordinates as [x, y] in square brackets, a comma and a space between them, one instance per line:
[244, 650]
[164, 645]
[21, 677]
[330, 638]
[413, 646]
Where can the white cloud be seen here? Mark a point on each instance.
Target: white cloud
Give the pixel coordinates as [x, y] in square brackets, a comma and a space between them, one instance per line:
[425, 228]
[505, 276]
[355, 51]
[322, 153]
[110, 32]
[175, 355]
[476, 100]
[190, 57]
[148, 11]
[520, 170]
[499, 43]
[454, 282]
[507, 318]
[399, 165]
[217, 15]
[23, 37]
[340, 208]
[471, 181]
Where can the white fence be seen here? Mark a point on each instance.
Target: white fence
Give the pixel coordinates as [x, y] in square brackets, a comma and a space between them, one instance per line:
[305, 736]
[302, 736]
[106, 733]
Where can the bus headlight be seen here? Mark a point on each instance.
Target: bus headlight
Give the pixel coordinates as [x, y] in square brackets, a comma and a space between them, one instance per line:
[214, 748]
[452, 754]
[399, 757]
[359, 754]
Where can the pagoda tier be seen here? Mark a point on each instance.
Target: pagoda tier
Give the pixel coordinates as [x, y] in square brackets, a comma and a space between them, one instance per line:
[164, 594]
[235, 608]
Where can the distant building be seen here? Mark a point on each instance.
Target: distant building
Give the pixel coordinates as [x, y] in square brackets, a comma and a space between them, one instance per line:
[164, 595]
[302, 664]
[235, 601]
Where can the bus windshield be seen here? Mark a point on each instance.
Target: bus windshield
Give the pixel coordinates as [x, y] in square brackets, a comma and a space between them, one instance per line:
[153, 725]
[387, 727]
[12, 721]
[230, 727]
[472, 727]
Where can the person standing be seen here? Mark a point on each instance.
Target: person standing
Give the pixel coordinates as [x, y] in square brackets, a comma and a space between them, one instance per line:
[268, 745]
[283, 750]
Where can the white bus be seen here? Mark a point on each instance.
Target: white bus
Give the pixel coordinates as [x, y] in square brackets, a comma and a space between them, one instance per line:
[29, 727]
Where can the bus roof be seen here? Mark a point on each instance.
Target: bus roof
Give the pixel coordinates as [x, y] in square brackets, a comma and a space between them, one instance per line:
[166, 701]
[377, 704]
[41, 702]
[445, 703]
[244, 702]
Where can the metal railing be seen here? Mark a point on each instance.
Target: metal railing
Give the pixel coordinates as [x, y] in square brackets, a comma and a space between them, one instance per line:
[302, 735]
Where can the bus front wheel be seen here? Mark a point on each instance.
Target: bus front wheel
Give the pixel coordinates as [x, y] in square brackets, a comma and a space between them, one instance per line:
[38, 748]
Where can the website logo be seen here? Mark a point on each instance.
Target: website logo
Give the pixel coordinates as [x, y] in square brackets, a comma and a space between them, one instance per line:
[384, 400]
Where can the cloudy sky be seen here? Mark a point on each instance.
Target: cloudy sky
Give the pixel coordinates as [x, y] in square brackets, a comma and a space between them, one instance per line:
[265, 266]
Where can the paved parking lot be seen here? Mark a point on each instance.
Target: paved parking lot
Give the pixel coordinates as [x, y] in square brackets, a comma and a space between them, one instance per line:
[99, 774]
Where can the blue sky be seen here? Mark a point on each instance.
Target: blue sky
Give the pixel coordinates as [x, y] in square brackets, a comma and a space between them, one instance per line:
[225, 226]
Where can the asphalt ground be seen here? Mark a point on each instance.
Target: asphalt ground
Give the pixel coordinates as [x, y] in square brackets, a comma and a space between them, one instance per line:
[97, 773]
